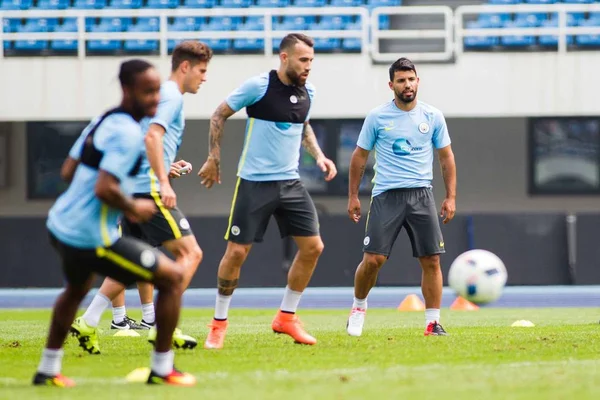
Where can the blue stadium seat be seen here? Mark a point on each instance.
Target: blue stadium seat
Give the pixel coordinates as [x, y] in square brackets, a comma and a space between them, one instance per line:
[383, 3]
[187, 24]
[235, 3]
[199, 3]
[125, 4]
[291, 23]
[351, 44]
[540, 1]
[52, 4]
[384, 22]
[354, 25]
[481, 42]
[333, 22]
[223, 23]
[89, 4]
[572, 18]
[15, 4]
[145, 24]
[519, 40]
[253, 23]
[162, 3]
[595, 15]
[8, 26]
[108, 25]
[35, 25]
[248, 44]
[578, 1]
[327, 44]
[346, 3]
[218, 45]
[492, 20]
[534, 19]
[552, 40]
[142, 45]
[272, 3]
[310, 3]
[589, 40]
[68, 25]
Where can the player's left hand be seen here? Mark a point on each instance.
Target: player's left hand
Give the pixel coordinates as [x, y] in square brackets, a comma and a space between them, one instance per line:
[328, 167]
[178, 166]
[448, 209]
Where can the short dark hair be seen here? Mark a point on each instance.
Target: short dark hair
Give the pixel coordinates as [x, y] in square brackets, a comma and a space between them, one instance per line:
[130, 69]
[401, 64]
[292, 38]
[193, 51]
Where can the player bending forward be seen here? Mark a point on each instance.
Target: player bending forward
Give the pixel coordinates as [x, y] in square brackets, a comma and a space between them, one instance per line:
[403, 133]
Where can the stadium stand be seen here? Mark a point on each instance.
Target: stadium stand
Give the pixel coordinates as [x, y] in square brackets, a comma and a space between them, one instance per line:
[218, 28]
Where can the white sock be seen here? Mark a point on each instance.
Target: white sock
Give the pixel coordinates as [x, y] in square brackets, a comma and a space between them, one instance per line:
[432, 315]
[94, 311]
[51, 362]
[148, 313]
[290, 300]
[222, 306]
[162, 363]
[360, 303]
[119, 314]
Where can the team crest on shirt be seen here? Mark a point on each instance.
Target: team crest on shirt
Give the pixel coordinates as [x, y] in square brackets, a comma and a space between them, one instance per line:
[235, 230]
[293, 99]
[367, 241]
[424, 127]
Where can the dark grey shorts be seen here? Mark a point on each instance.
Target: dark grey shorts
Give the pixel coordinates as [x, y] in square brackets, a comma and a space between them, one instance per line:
[412, 209]
[255, 202]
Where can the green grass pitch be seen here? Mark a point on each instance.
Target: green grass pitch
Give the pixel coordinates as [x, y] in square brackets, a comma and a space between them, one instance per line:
[483, 358]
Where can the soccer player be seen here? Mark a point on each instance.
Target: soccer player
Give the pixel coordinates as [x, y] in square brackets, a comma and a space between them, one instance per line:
[168, 227]
[404, 133]
[82, 226]
[278, 104]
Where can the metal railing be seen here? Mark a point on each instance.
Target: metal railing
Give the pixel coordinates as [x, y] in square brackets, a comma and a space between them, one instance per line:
[445, 33]
[453, 32]
[164, 34]
[561, 31]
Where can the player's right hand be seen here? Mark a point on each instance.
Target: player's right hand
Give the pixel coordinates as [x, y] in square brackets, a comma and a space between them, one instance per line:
[167, 195]
[210, 173]
[143, 210]
[354, 209]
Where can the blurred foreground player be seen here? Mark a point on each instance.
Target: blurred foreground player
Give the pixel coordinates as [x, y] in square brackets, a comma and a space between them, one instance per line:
[403, 132]
[82, 226]
[278, 105]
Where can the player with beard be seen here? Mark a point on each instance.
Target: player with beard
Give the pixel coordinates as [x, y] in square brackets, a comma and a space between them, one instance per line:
[278, 105]
[403, 133]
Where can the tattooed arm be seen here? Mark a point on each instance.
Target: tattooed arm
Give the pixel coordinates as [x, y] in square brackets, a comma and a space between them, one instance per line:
[310, 143]
[210, 171]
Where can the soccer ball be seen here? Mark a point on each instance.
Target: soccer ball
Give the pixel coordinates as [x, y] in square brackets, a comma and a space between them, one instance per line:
[478, 276]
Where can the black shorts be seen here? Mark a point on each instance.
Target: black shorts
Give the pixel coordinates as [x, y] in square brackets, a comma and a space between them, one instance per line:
[128, 261]
[254, 202]
[167, 224]
[412, 209]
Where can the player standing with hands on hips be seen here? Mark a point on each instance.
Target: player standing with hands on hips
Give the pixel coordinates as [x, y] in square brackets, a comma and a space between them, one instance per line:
[403, 133]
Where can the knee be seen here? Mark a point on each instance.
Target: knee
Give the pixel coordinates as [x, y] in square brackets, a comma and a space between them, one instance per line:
[236, 254]
[373, 262]
[314, 249]
[430, 263]
[196, 255]
[172, 279]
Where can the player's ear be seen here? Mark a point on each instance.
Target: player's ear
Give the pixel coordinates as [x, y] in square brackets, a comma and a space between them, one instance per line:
[283, 57]
[185, 66]
[391, 85]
